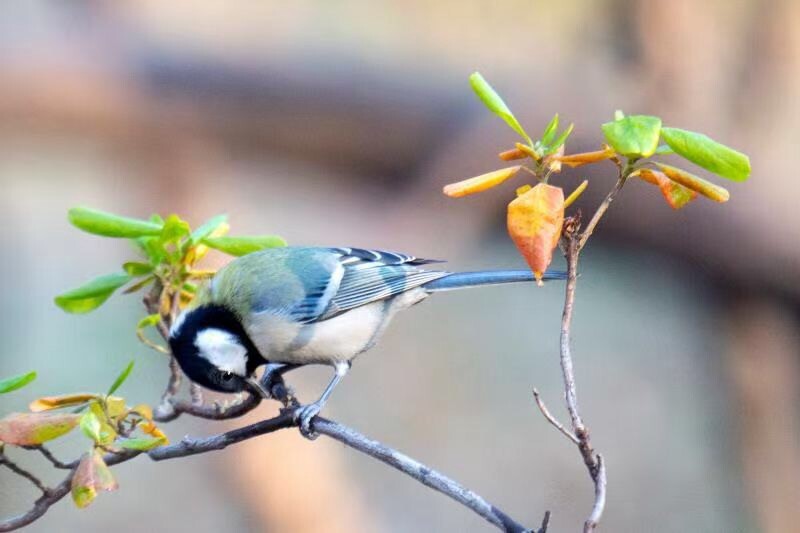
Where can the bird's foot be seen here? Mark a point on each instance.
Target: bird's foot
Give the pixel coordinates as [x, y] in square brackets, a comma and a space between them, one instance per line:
[303, 416]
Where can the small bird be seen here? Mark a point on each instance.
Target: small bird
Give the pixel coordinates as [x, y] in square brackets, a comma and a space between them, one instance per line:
[293, 306]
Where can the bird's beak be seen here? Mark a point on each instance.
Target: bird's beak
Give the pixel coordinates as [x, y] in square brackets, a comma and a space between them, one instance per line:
[258, 387]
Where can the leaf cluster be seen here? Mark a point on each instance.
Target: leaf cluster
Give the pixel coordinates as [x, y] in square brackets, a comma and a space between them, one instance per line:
[105, 419]
[169, 250]
[633, 143]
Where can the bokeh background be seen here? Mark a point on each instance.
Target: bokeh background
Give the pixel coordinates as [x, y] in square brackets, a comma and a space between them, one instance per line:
[337, 123]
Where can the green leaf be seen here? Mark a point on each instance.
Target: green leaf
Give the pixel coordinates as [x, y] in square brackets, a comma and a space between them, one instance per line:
[153, 248]
[16, 382]
[634, 135]
[496, 105]
[149, 321]
[95, 426]
[109, 225]
[707, 153]
[136, 269]
[91, 295]
[550, 131]
[238, 246]
[561, 140]
[120, 379]
[175, 228]
[208, 227]
[142, 444]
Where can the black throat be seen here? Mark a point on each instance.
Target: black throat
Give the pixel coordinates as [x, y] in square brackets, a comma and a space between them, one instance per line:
[212, 316]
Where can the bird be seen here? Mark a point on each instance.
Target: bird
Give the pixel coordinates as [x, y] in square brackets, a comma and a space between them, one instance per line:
[294, 306]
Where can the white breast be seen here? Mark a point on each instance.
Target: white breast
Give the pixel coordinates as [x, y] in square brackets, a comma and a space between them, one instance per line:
[337, 339]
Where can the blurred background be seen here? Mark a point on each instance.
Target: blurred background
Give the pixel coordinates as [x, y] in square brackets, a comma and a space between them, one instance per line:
[338, 123]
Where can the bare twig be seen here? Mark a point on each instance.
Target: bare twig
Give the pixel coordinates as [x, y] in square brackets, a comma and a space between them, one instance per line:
[14, 467]
[172, 408]
[571, 227]
[601, 210]
[599, 497]
[49, 456]
[39, 508]
[550, 418]
[196, 394]
[425, 475]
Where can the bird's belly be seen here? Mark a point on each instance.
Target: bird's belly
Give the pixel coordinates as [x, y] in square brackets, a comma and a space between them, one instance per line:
[329, 341]
[337, 339]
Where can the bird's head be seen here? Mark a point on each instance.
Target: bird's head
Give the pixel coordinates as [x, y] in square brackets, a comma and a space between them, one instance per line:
[214, 350]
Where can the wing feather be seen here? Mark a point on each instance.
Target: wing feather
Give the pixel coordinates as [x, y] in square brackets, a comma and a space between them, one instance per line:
[362, 277]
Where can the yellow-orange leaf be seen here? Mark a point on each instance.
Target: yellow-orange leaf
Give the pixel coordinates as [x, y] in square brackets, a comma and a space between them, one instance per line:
[675, 194]
[29, 429]
[695, 183]
[56, 402]
[512, 155]
[576, 193]
[92, 475]
[535, 219]
[144, 410]
[480, 183]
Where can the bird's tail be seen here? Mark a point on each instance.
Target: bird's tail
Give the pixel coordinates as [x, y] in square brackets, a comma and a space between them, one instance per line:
[463, 280]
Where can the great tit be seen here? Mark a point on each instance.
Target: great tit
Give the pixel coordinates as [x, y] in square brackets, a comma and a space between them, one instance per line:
[304, 305]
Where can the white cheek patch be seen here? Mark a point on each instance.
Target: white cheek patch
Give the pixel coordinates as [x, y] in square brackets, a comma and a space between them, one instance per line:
[222, 350]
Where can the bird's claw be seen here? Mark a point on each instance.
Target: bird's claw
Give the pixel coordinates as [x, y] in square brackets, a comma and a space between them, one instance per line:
[303, 417]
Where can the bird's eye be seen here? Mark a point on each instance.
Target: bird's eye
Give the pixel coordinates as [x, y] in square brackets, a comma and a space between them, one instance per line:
[227, 376]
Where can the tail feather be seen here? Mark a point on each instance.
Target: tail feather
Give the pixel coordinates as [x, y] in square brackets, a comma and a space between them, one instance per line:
[463, 280]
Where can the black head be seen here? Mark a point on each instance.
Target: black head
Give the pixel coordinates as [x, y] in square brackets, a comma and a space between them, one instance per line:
[213, 349]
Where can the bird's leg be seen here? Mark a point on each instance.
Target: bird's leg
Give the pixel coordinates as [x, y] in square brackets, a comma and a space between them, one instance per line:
[306, 413]
[273, 371]
[272, 382]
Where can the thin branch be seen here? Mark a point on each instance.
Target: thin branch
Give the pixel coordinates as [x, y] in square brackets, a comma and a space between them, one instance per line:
[601, 210]
[571, 227]
[11, 465]
[550, 418]
[425, 475]
[49, 456]
[39, 508]
[172, 408]
[599, 497]
[196, 394]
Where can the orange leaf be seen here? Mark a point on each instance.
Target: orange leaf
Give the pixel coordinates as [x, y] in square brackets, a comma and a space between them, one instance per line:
[512, 155]
[675, 194]
[92, 475]
[56, 402]
[29, 429]
[480, 183]
[695, 183]
[586, 158]
[535, 219]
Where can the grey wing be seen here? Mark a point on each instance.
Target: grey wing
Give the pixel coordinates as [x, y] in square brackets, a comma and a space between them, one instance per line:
[361, 277]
